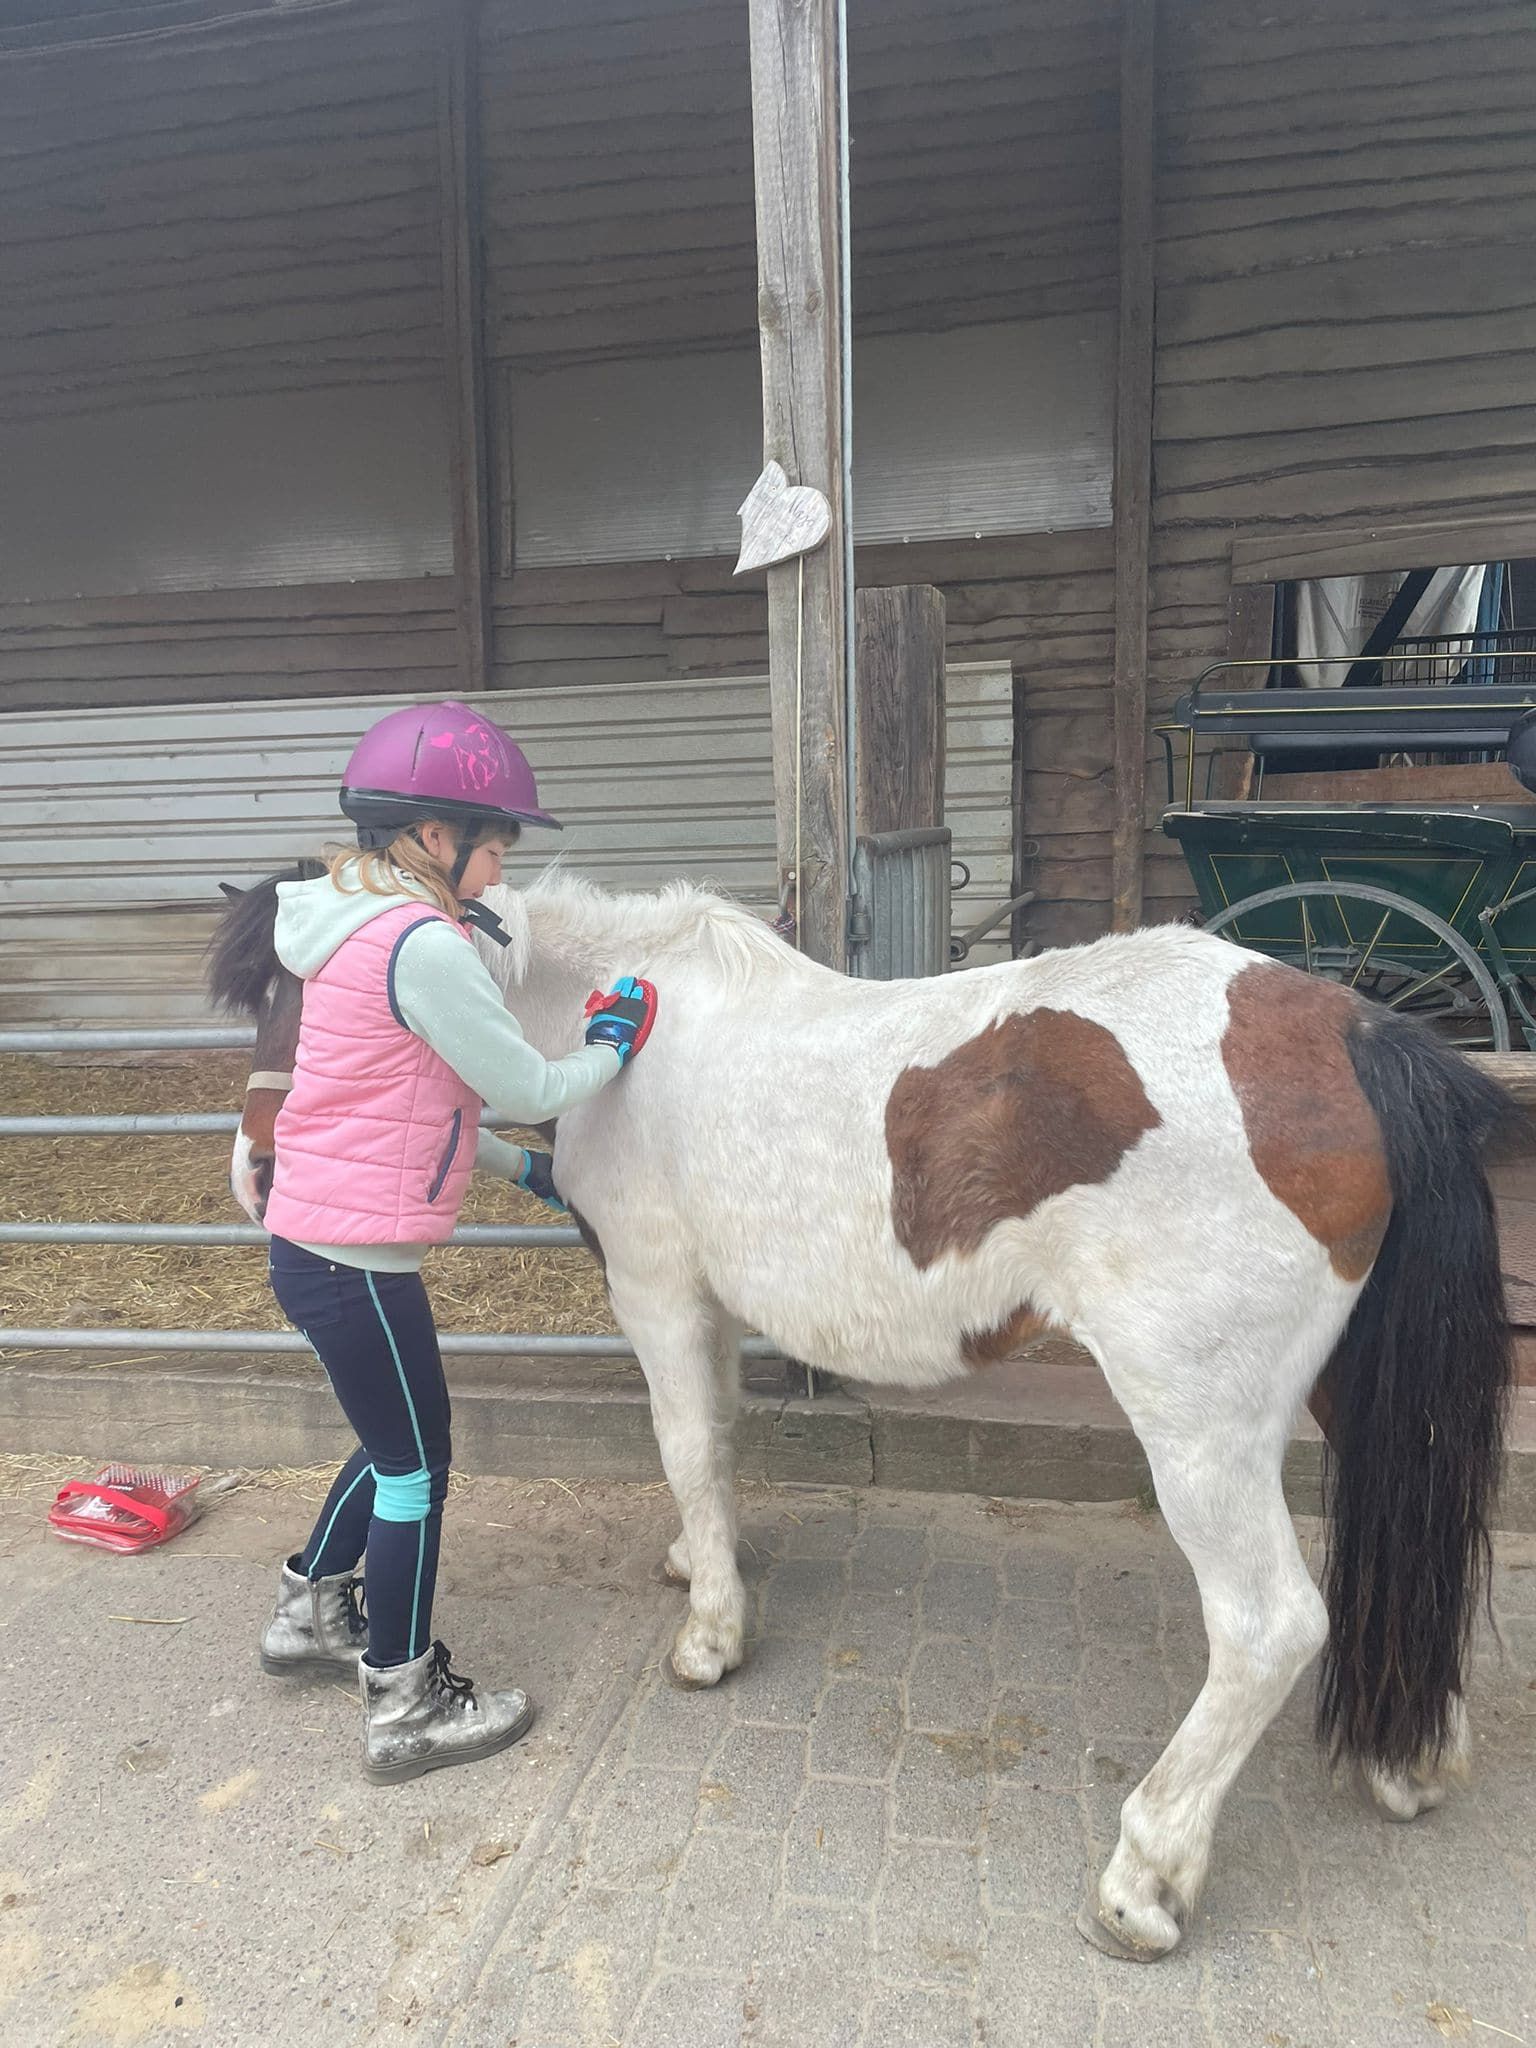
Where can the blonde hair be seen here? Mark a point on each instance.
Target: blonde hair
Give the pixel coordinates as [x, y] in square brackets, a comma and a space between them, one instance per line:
[378, 871]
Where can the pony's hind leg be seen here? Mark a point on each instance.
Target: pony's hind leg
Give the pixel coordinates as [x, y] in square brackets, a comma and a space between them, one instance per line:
[1404, 1795]
[1218, 1485]
[680, 1343]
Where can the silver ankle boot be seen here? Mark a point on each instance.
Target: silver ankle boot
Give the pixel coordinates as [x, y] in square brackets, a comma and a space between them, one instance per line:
[317, 1627]
[422, 1717]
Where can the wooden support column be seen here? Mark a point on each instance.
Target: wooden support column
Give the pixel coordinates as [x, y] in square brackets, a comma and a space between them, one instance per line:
[1250, 632]
[899, 654]
[469, 466]
[1133, 453]
[795, 138]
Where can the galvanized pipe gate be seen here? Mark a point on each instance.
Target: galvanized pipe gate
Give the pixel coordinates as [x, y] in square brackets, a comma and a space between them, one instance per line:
[219, 1038]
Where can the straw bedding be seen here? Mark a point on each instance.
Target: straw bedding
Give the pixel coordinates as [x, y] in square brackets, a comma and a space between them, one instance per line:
[184, 1179]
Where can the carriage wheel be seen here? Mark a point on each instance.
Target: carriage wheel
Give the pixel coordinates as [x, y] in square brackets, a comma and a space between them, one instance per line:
[1430, 972]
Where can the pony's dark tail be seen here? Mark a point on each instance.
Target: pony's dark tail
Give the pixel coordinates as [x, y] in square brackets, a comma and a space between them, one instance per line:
[241, 963]
[1418, 1389]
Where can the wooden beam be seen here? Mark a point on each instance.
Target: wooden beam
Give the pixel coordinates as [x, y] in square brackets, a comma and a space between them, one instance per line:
[899, 657]
[1293, 556]
[1133, 453]
[1250, 622]
[796, 126]
[1515, 1073]
[469, 466]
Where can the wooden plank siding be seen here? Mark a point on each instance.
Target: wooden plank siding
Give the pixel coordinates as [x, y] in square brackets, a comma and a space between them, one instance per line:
[190, 647]
[249, 208]
[618, 216]
[1346, 278]
[618, 180]
[1043, 602]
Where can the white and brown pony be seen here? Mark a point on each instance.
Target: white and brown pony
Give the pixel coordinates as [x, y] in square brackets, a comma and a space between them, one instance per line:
[1238, 1188]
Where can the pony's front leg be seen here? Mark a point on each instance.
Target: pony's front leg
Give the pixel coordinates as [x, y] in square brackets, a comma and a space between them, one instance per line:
[688, 1358]
[677, 1568]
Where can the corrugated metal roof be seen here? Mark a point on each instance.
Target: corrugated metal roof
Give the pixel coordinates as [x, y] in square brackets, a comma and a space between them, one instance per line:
[117, 825]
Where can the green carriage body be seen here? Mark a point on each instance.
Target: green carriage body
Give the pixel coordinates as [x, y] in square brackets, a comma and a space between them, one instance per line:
[1458, 861]
[1422, 903]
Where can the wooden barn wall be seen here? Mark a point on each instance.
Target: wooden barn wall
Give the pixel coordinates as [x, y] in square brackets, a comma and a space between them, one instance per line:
[200, 646]
[617, 183]
[618, 221]
[258, 208]
[236, 210]
[249, 209]
[1346, 278]
[1043, 602]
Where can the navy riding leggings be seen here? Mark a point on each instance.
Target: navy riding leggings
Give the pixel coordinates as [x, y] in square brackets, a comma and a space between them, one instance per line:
[374, 1334]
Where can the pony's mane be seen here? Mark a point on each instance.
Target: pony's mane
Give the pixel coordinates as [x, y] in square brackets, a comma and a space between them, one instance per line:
[568, 915]
[240, 964]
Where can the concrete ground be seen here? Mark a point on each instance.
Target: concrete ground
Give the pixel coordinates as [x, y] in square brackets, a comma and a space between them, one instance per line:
[875, 1836]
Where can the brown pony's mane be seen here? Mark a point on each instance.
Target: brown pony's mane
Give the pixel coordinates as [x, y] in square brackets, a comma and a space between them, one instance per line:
[241, 964]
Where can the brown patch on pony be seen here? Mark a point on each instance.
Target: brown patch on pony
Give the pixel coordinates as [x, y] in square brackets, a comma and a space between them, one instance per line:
[986, 1347]
[1313, 1136]
[259, 1116]
[1037, 1103]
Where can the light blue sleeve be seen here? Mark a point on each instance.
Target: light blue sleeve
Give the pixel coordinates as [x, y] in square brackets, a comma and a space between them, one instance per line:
[444, 994]
[496, 1156]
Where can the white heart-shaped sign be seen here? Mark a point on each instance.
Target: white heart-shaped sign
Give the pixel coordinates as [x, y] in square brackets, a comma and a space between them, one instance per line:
[780, 520]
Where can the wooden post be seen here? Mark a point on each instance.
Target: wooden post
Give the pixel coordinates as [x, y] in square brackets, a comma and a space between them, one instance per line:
[1250, 626]
[899, 660]
[1133, 453]
[1023, 861]
[795, 146]
[1250, 631]
[458, 126]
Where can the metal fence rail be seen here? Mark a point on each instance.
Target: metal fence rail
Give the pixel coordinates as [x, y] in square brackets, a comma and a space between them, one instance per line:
[538, 1344]
[188, 1038]
[524, 1236]
[201, 1038]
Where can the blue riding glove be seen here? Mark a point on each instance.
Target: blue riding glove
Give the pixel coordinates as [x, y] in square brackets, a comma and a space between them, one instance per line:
[538, 1177]
[622, 1018]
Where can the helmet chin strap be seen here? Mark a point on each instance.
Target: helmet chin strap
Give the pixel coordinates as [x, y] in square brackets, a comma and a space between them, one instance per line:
[479, 919]
[468, 835]
[469, 832]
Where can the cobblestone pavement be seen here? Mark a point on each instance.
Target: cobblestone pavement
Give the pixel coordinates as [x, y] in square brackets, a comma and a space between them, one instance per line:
[874, 1836]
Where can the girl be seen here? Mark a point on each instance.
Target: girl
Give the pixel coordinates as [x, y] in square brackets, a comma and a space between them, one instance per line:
[404, 1037]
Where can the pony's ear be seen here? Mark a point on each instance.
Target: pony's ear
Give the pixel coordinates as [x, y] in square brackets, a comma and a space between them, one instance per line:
[230, 893]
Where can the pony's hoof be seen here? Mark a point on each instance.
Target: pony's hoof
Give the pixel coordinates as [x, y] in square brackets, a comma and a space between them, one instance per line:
[678, 1682]
[671, 1574]
[701, 1656]
[1402, 1799]
[1116, 1938]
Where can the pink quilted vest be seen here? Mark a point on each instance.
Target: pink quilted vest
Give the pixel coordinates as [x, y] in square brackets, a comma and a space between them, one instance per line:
[376, 1140]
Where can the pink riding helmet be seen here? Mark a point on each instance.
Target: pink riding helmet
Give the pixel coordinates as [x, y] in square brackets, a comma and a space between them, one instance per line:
[438, 761]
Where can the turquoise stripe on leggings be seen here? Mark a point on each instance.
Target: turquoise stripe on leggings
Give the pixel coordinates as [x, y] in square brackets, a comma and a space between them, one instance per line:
[319, 1549]
[421, 1451]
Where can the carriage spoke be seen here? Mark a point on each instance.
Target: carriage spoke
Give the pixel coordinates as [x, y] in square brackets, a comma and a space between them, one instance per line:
[1370, 949]
[1426, 981]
